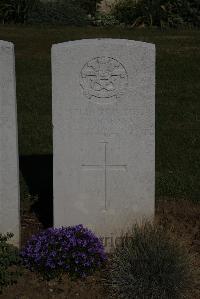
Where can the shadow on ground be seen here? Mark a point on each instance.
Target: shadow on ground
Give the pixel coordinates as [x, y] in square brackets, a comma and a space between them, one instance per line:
[37, 172]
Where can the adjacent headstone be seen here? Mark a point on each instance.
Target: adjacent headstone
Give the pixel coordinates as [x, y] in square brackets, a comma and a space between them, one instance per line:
[9, 184]
[103, 119]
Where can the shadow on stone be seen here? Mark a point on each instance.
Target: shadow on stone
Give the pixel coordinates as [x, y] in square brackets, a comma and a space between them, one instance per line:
[37, 172]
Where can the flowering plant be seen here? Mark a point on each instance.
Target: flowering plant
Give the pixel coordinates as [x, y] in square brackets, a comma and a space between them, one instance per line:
[74, 250]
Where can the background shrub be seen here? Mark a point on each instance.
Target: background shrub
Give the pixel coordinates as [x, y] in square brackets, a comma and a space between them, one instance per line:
[9, 258]
[105, 20]
[66, 12]
[189, 10]
[16, 11]
[125, 11]
[74, 250]
[148, 264]
[90, 6]
[160, 13]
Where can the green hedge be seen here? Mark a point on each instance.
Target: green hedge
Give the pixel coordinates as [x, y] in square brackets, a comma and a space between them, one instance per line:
[159, 13]
[90, 6]
[15, 11]
[68, 12]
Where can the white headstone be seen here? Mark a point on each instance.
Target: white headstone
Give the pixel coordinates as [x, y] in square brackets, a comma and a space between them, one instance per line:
[9, 183]
[103, 119]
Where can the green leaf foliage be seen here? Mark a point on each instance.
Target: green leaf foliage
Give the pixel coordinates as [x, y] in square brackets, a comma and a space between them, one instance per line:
[65, 12]
[16, 11]
[159, 13]
[9, 262]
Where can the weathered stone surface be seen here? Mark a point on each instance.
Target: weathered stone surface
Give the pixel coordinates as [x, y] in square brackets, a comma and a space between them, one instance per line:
[9, 184]
[103, 118]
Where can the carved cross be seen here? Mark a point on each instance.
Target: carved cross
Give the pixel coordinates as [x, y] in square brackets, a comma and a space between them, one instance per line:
[105, 166]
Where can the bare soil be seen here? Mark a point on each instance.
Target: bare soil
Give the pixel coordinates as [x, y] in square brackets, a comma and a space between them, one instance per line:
[180, 217]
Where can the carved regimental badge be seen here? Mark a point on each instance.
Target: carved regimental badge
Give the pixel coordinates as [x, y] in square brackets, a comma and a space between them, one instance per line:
[103, 79]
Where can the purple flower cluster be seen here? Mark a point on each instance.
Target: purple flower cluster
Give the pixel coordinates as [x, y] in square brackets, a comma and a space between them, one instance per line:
[74, 250]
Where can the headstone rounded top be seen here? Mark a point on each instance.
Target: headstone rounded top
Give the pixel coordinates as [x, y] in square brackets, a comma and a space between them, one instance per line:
[6, 44]
[104, 40]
